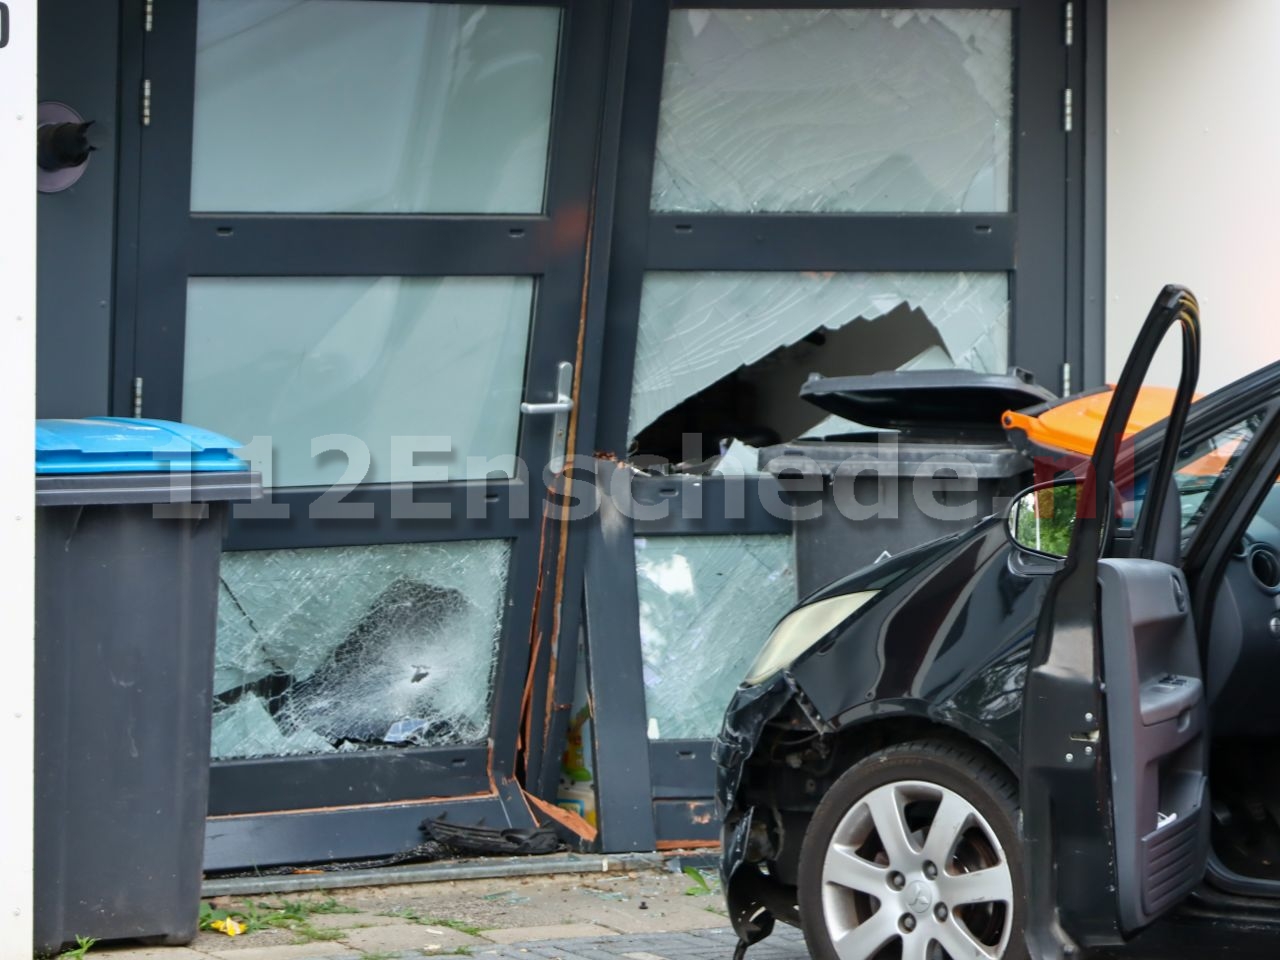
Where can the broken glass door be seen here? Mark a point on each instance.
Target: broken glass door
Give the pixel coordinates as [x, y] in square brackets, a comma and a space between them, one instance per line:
[834, 191]
[361, 254]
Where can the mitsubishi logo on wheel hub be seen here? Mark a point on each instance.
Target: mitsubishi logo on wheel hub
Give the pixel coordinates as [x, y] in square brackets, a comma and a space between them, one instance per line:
[918, 897]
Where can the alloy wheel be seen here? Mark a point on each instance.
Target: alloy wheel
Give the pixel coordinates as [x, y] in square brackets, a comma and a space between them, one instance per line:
[914, 871]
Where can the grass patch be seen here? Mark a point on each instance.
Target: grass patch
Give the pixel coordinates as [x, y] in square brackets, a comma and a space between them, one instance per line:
[427, 920]
[83, 946]
[700, 886]
[306, 933]
[292, 915]
[302, 909]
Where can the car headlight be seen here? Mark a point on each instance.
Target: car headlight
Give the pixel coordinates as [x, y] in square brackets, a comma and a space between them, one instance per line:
[800, 630]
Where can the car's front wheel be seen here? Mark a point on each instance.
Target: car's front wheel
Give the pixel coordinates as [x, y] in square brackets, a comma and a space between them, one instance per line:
[914, 854]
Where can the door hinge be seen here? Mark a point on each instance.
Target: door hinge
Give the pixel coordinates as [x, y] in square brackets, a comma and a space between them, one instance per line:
[1068, 24]
[148, 15]
[137, 397]
[146, 103]
[1066, 379]
[1066, 110]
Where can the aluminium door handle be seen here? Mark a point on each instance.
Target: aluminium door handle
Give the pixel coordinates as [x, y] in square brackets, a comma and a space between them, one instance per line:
[560, 408]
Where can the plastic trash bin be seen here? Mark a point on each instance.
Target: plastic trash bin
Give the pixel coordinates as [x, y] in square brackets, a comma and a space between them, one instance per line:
[926, 456]
[126, 601]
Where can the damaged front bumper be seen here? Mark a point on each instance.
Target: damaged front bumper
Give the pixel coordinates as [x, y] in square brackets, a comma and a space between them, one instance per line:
[753, 898]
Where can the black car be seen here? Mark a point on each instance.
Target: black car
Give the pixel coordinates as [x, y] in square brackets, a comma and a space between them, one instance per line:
[1039, 737]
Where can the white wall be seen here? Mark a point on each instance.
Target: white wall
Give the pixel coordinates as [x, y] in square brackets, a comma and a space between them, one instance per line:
[17, 398]
[1193, 175]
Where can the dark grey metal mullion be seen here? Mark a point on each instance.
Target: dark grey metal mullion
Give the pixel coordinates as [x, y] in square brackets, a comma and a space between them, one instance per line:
[704, 506]
[361, 832]
[513, 657]
[682, 768]
[630, 243]
[163, 200]
[686, 820]
[574, 141]
[1038, 283]
[615, 672]
[276, 245]
[503, 503]
[1093, 131]
[1086, 208]
[343, 779]
[848, 4]
[981, 241]
[128, 128]
[491, 3]
[615, 51]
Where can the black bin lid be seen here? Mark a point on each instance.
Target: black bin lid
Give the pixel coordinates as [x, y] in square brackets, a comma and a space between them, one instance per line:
[933, 402]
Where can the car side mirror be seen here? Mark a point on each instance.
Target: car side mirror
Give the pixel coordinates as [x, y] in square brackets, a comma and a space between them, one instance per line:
[1042, 518]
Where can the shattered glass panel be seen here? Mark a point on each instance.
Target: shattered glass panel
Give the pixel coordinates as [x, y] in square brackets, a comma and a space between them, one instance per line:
[698, 328]
[351, 648]
[707, 605]
[371, 107]
[826, 111]
[300, 358]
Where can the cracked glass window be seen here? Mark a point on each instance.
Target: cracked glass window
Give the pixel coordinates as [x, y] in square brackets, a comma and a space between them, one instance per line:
[827, 111]
[354, 648]
[374, 358]
[721, 356]
[707, 605]
[338, 106]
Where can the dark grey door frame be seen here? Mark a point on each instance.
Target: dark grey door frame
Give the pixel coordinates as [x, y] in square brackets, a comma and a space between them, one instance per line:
[655, 794]
[369, 805]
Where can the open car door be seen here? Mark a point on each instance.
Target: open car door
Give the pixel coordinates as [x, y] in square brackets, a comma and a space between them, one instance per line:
[1115, 812]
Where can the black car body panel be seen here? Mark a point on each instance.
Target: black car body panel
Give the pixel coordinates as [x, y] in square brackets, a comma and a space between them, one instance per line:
[957, 661]
[942, 648]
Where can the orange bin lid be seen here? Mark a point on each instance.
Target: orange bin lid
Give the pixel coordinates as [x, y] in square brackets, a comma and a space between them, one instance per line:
[1073, 424]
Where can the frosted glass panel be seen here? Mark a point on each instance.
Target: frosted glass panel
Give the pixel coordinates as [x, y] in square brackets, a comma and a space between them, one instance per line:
[338, 106]
[707, 605]
[373, 357]
[835, 110]
[697, 328]
[346, 648]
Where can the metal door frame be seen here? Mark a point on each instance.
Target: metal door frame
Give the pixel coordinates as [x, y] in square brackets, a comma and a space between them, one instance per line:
[658, 794]
[361, 805]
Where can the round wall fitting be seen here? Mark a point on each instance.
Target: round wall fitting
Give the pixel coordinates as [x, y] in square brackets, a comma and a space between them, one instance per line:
[62, 146]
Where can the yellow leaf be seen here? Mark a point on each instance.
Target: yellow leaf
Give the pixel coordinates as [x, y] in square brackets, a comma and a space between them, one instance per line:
[228, 926]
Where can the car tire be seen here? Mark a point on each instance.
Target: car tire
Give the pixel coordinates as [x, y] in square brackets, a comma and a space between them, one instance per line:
[875, 878]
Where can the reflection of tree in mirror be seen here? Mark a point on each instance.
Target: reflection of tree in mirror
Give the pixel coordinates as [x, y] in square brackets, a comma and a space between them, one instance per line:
[1053, 510]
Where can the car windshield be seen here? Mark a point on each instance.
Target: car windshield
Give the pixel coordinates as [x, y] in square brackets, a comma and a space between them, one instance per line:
[1201, 471]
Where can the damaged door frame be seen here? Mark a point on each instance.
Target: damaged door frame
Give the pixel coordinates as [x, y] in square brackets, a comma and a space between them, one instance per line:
[367, 805]
[658, 793]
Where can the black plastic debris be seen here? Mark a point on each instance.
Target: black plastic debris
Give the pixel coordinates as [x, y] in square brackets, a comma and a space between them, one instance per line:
[469, 839]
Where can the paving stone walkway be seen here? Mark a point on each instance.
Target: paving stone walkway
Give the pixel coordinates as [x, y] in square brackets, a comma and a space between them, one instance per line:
[635, 915]
[785, 944]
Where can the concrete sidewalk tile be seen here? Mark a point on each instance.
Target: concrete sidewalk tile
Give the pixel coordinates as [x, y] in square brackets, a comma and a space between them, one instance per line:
[630, 919]
[350, 921]
[561, 931]
[149, 953]
[408, 936]
[292, 951]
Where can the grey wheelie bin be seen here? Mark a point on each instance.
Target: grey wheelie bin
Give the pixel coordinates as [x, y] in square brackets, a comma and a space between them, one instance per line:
[924, 455]
[130, 518]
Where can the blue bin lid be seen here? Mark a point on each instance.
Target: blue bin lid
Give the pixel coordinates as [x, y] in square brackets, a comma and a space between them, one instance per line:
[126, 445]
